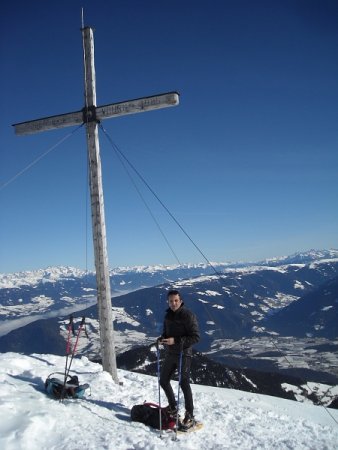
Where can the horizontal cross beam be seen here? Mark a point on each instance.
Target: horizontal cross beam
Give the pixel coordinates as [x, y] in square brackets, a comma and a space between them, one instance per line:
[98, 113]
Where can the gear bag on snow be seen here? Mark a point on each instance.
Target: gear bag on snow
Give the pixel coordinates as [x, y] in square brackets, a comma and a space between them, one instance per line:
[149, 414]
[58, 389]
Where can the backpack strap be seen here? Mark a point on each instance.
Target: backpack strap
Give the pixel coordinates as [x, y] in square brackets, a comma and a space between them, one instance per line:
[154, 405]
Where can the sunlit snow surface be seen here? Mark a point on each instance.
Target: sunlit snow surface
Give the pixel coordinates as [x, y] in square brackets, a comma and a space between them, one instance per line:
[29, 420]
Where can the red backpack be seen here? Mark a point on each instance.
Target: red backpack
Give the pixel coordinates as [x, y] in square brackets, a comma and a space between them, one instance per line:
[149, 414]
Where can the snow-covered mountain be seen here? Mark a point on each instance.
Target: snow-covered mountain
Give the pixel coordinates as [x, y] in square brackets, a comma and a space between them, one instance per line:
[231, 305]
[301, 257]
[314, 314]
[55, 291]
[129, 278]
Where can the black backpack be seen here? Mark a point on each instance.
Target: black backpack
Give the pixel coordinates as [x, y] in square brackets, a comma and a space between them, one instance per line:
[149, 414]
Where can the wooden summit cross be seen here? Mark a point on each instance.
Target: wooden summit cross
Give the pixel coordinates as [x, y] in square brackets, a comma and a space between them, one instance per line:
[91, 116]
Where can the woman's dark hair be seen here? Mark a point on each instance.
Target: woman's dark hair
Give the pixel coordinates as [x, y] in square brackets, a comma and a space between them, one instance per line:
[174, 292]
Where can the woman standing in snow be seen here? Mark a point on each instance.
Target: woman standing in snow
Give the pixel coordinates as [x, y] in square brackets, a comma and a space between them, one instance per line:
[180, 332]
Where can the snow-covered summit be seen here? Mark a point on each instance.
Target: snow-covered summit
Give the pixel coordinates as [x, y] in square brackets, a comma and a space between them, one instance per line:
[33, 277]
[302, 257]
[30, 420]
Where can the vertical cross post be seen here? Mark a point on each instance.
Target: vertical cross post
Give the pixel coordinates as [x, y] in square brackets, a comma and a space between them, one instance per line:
[97, 208]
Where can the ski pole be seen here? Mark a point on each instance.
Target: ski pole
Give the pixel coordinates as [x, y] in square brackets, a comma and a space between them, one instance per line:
[179, 385]
[76, 342]
[71, 359]
[159, 386]
[68, 350]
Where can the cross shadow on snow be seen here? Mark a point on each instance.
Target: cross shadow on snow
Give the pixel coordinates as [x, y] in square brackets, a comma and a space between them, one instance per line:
[37, 383]
[120, 411]
[114, 407]
[41, 359]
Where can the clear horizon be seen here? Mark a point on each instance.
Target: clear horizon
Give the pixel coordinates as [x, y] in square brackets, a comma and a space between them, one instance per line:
[35, 269]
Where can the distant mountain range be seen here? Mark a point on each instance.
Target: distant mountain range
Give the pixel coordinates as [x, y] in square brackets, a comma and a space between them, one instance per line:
[126, 279]
[234, 303]
[211, 373]
[253, 316]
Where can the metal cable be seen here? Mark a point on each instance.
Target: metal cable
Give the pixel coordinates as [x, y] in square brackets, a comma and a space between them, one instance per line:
[30, 165]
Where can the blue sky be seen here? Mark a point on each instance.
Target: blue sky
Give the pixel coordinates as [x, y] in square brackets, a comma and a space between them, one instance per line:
[247, 162]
